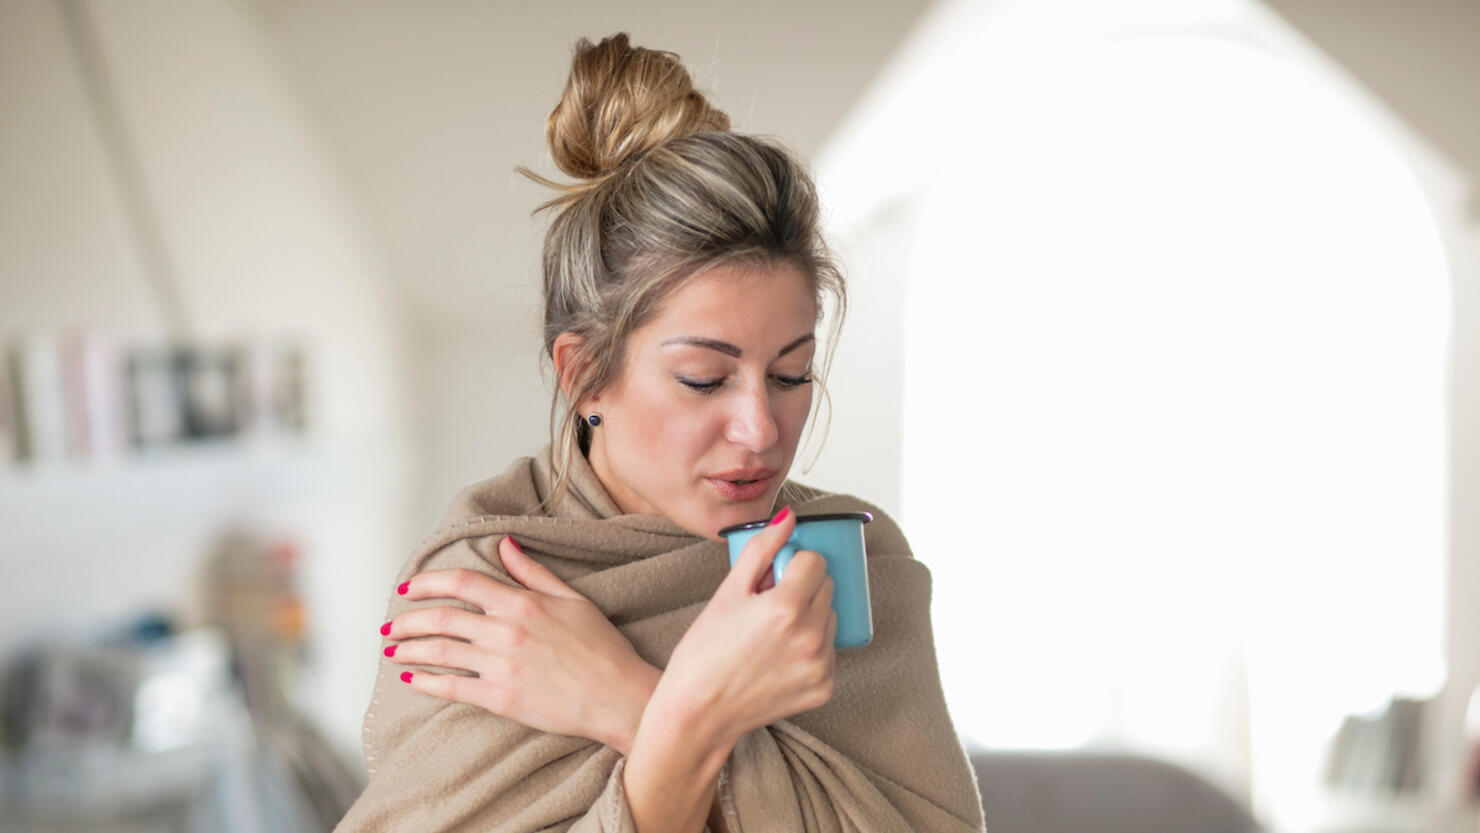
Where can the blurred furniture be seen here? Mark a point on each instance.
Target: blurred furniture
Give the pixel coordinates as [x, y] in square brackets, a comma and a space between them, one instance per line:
[1099, 792]
[1092, 792]
[154, 735]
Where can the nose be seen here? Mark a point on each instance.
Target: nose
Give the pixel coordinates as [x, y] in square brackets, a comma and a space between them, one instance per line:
[751, 423]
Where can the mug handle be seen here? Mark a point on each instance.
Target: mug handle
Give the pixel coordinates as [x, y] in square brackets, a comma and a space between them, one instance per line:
[783, 558]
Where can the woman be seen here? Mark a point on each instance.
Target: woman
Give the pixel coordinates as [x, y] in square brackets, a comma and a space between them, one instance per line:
[626, 678]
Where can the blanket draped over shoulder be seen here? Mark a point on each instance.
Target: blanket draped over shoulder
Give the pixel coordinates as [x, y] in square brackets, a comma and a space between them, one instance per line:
[880, 756]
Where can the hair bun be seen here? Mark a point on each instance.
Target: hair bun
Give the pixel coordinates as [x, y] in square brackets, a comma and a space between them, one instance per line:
[622, 100]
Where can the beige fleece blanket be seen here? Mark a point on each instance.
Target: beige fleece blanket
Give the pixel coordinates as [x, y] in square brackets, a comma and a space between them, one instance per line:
[880, 756]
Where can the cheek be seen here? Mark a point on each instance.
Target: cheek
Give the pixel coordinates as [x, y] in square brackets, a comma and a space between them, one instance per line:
[667, 438]
[793, 415]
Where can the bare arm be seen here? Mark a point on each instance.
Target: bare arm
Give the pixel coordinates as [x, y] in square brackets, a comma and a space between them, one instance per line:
[624, 737]
[674, 767]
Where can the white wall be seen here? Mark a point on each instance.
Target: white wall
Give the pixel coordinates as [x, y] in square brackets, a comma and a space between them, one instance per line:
[265, 247]
[479, 400]
[860, 449]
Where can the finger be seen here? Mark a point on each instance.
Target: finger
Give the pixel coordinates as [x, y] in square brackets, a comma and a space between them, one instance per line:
[448, 653]
[758, 554]
[820, 607]
[803, 577]
[492, 694]
[767, 581]
[482, 591]
[444, 621]
[531, 573]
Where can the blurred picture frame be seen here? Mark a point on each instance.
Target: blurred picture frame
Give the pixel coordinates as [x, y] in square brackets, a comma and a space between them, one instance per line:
[180, 394]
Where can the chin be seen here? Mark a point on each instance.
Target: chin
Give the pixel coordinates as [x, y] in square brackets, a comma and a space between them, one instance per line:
[739, 513]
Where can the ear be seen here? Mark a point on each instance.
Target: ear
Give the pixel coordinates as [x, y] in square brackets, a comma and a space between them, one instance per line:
[566, 354]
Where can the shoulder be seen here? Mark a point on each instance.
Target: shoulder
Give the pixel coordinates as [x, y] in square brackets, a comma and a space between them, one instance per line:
[882, 535]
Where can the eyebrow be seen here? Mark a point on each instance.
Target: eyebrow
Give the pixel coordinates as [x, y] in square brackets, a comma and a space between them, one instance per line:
[729, 349]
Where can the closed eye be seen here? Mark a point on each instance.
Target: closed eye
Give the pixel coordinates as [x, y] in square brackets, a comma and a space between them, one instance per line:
[712, 385]
[701, 385]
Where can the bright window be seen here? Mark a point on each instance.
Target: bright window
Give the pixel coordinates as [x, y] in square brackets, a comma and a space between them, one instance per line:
[1174, 425]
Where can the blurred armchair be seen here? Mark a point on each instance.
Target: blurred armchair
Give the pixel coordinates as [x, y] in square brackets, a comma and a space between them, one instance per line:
[1093, 792]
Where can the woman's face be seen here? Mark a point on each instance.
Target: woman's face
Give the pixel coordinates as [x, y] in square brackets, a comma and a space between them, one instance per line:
[705, 419]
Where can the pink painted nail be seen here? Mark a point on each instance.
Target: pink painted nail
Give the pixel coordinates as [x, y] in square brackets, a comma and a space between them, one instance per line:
[385, 630]
[405, 676]
[781, 516]
[405, 585]
[391, 651]
[516, 544]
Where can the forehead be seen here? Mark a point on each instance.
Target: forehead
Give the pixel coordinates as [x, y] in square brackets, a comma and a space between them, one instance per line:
[754, 305]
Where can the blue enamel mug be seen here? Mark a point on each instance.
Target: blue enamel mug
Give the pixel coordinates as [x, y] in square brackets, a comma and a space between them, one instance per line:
[838, 538]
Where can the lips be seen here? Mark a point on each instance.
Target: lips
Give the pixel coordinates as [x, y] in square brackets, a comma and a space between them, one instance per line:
[734, 475]
[742, 484]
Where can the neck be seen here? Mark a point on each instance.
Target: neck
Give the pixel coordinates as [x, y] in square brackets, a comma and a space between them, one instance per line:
[623, 497]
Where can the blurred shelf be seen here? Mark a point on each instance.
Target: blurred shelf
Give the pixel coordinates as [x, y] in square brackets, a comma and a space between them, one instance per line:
[165, 466]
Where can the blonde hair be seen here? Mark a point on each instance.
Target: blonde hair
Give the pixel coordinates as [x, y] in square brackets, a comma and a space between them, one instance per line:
[667, 191]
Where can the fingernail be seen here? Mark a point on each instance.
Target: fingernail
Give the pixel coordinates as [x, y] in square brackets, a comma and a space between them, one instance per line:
[781, 516]
[405, 676]
[391, 651]
[405, 585]
[516, 544]
[385, 630]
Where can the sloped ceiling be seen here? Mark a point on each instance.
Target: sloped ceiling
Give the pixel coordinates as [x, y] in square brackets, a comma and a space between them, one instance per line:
[428, 106]
[1421, 57]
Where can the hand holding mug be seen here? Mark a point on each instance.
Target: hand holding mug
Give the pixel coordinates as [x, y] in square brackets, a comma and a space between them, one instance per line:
[755, 657]
[839, 539]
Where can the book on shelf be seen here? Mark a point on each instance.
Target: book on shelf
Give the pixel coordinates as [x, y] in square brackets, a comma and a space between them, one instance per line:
[91, 376]
[9, 419]
[1380, 752]
[40, 400]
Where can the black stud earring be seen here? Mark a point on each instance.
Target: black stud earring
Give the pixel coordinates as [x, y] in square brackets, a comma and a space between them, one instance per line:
[593, 420]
